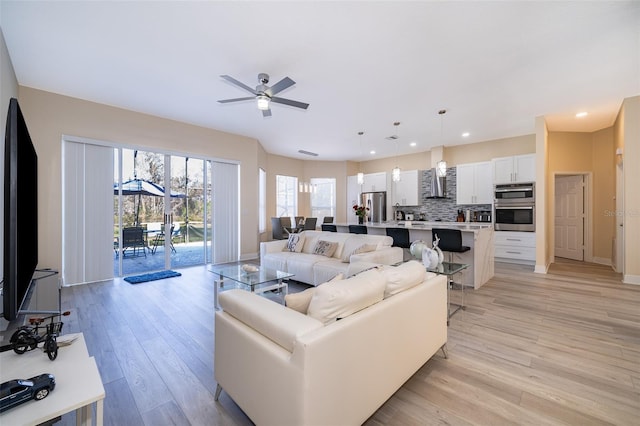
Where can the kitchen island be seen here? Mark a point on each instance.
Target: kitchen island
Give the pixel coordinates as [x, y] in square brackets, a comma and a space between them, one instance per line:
[478, 236]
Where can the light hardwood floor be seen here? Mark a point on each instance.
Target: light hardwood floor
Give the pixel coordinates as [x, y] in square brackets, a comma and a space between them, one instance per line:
[560, 348]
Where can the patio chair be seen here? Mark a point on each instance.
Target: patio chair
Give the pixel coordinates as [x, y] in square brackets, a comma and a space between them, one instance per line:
[159, 240]
[133, 239]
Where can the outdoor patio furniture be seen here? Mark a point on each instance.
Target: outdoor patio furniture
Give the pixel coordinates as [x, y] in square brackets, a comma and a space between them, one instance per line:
[159, 240]
[133, 239]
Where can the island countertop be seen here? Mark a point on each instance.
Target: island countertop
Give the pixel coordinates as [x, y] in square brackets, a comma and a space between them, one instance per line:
[479, 236]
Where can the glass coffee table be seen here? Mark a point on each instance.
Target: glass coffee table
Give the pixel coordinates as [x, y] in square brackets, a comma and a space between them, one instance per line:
[259, 282]
[450, 269]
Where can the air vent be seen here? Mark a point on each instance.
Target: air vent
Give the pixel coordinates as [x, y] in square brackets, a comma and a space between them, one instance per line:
[302, 151]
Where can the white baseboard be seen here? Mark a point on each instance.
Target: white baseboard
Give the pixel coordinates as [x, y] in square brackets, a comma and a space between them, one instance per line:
[631, 279]
[541, 269]
[250, 256]
[601, 261]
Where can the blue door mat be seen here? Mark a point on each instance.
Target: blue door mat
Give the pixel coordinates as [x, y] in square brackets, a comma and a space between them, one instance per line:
[137, 279]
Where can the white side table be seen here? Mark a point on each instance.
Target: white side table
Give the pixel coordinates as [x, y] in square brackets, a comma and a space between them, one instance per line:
[78, 384]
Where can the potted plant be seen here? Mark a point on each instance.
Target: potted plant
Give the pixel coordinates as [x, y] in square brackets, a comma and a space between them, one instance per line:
[361, 212]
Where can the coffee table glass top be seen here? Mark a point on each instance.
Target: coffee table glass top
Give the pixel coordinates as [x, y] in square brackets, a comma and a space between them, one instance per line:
[252, 279]
[448, 268]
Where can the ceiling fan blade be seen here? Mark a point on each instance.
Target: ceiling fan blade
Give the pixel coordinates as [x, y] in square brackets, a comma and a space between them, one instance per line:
[224, 101]
[266, 113]
[285, 83]
[290, 102]
[239, 84]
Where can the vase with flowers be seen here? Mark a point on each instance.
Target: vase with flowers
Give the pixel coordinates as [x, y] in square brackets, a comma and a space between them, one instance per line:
[361, 212]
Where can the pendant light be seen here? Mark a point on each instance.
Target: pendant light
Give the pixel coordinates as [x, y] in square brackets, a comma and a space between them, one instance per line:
[395, 173]
[441, 167]
[360, 174]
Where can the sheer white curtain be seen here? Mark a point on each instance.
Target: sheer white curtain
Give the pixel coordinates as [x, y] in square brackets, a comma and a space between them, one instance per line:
[87, 213]
[225, 185]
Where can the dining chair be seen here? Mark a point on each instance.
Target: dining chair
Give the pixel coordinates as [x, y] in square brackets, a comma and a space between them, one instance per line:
[310, 223]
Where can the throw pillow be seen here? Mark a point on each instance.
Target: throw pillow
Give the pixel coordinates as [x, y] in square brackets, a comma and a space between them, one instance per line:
[339, 299]
[325, 248]
[402, 277]
[365, 248]
[294, 243]
[300, 301]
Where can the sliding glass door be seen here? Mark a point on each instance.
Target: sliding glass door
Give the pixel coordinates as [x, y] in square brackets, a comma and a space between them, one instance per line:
[163, 201]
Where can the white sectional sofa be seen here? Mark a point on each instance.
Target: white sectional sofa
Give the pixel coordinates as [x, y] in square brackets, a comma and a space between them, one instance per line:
[315, 269]
[283, 367]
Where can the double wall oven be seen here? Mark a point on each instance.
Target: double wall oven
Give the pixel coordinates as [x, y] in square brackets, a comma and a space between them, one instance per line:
[514, 207]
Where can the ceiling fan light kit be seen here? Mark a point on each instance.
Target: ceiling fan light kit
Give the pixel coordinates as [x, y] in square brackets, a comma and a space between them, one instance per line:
[264, 94]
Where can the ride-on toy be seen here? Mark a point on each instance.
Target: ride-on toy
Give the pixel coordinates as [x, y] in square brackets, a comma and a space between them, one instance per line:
[27, 337]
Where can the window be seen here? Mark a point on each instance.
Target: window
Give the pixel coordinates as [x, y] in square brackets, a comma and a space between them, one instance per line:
[323, 199]
[286, 196]
[262, 200]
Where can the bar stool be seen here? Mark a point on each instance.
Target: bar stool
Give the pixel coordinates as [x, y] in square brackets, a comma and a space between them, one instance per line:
[451, 242]
[329, 227]
[357, 229]
[400, 239]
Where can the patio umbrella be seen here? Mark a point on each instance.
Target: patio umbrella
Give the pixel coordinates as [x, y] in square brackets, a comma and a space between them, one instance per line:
[142, 187]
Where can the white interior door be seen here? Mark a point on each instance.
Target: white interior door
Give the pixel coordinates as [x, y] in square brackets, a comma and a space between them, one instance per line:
[618, 254]
[569, 217]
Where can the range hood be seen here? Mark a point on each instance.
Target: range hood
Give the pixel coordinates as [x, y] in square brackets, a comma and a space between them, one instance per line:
[438, 185]
[438, 180]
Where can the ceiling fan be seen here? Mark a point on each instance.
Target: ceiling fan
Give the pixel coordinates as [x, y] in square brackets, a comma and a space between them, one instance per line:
[264, 94]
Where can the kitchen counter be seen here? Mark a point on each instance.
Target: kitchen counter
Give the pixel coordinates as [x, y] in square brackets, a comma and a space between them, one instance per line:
[478, 236]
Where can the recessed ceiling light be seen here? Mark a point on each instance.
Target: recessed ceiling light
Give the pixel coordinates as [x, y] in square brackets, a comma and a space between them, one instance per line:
[413, 144]
[466, 134]
[582, 114]
[372, 152]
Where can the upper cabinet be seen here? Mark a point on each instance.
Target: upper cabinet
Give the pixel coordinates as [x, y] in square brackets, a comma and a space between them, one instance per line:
[405, 192]
[474, 183]
[519, 168]
[375, 182]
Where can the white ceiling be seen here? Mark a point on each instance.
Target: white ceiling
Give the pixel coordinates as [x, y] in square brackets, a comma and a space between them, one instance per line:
[361, 66]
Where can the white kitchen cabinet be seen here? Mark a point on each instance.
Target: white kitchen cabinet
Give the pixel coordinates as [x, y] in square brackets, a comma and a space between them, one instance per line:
[474, 183]
[405, 192]
[519, 168]
[375, 182]
[515, 247]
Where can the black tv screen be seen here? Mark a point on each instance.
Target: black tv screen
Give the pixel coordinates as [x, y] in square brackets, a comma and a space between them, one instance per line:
[20, 211]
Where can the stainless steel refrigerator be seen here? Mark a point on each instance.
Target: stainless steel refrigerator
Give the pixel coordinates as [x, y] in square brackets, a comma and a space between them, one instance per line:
[377, 204]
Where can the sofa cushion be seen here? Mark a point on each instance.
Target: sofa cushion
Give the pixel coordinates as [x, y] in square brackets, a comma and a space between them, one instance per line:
[356, 268]
[325, 248]
[402, 277]
[300, 301]
[356, 245]
[339, 299]
[295, 243]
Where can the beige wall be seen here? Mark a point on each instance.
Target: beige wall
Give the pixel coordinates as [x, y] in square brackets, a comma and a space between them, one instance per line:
[543, 214]
[485, 151]
[49, 116]
[591, 154]
[8, 90]
[630, 142]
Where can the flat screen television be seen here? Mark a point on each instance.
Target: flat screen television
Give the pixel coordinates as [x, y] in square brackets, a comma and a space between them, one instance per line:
[20, 212]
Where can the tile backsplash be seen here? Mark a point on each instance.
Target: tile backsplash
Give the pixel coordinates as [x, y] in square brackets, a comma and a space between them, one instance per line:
[444, 209]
